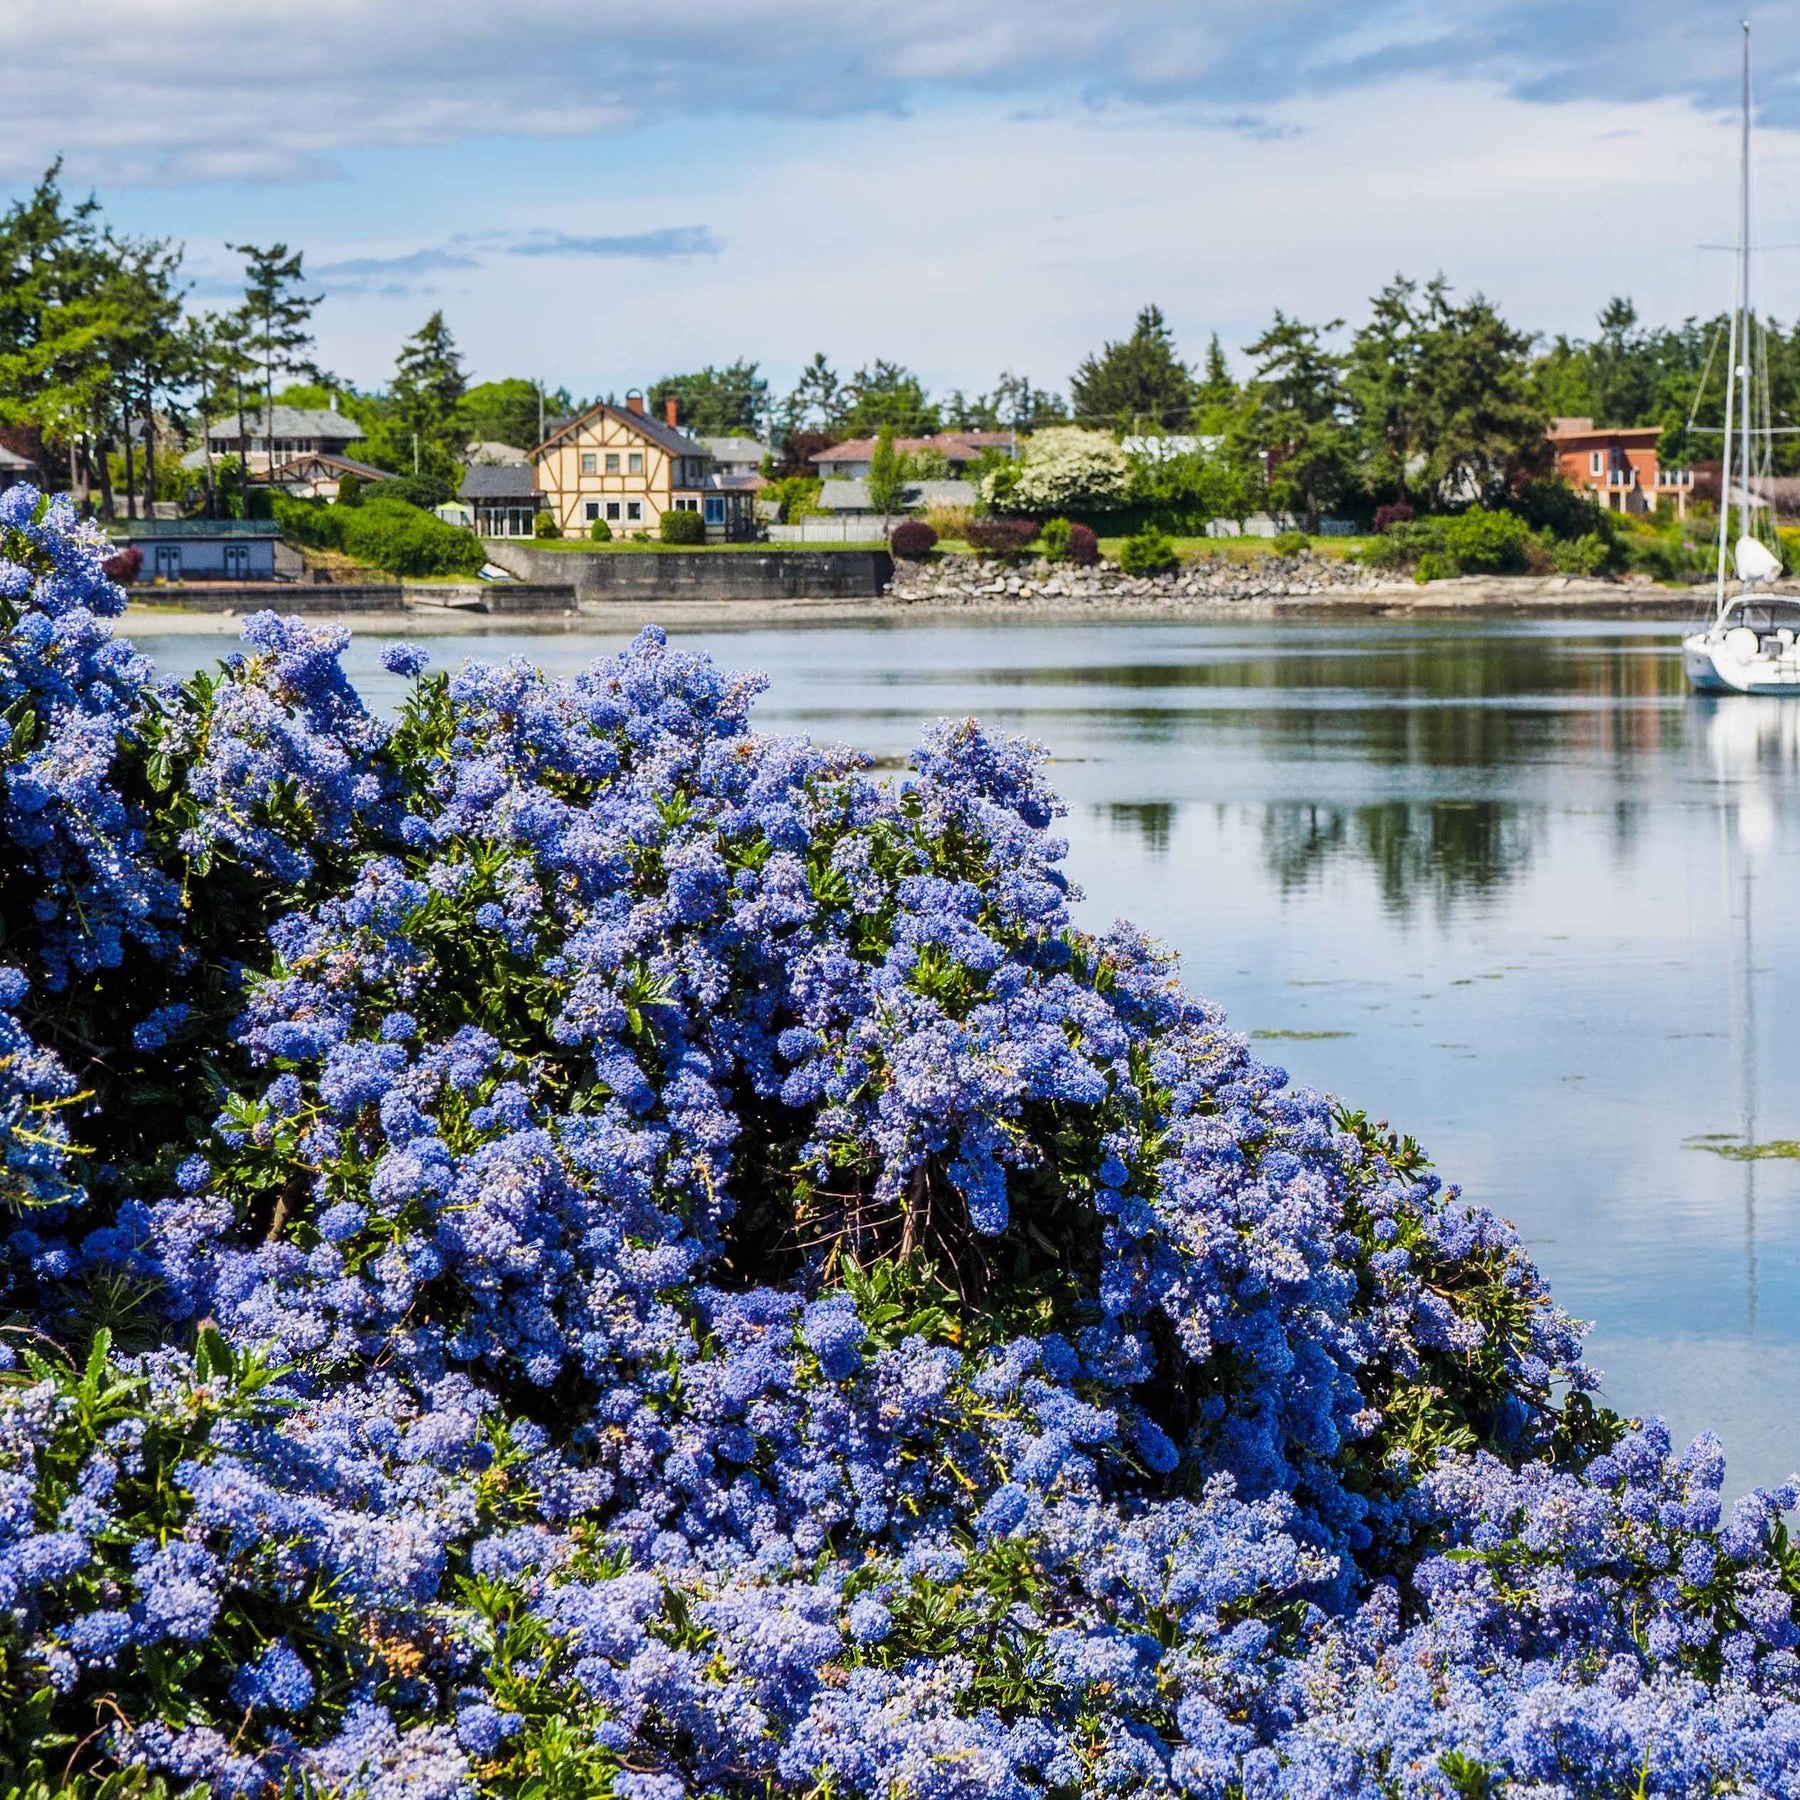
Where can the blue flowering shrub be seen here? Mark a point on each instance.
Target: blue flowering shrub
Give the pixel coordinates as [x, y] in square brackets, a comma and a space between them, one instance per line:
[563, 1247]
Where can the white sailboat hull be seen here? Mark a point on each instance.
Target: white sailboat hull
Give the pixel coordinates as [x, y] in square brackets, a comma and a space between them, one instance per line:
[1716, 666]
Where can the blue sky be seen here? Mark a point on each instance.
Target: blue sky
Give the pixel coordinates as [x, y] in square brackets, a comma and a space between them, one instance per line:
[598, 193]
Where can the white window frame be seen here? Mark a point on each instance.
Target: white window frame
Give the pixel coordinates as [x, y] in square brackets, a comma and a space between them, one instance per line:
[634, 512]
[590, 463]
[612, 511]
[591, 511]
[1596, 462]
[612, 462]
[634, 462]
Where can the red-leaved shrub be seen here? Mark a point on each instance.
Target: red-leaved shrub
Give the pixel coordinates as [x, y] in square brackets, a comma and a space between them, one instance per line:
[1396, 512]
[124, 566]
[1084, 547]
[912, 539]
[1002, 537]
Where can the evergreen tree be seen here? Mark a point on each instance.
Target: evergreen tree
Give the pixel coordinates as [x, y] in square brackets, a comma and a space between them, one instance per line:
[887, 394]
[424, 429]
[816, 403]
[1215, 394]
[1381, 378]
[277, 318]
[1140, 381]
[887, 475]
[1294, 414]
[732, 401]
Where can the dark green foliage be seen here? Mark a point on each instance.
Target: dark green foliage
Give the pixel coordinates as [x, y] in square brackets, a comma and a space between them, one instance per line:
[887, 476]
[600, 532]
[912, 540]
[423, 490]
[728, 402]
[545, 526]
[1294, 415]
[1147, 552]
[350, 490]
[387, 532]
[683, 528]
[1139, 380]
[887, 395]
[508, 412]
[1290, 543]
[1055, 539]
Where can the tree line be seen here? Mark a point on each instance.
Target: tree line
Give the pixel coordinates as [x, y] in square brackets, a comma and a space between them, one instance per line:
[1433, 400]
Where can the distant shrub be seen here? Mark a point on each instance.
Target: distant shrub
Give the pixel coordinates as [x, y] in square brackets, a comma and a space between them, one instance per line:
[1084, 546]
[1290, 543]
[350, 490]
[600, 532]
[1001, 537]
[1488, 543]
[949, 521]
[1667, 557]
[385, 532]
[422, 490]
[1055, 539]
[912, 540]
[1555, 507]
[1059, 469]
[1147, 552]
[545, 526]
[683, 528]
[1589, 555]
[124, 566]
[1433, 566]
[1396, 512]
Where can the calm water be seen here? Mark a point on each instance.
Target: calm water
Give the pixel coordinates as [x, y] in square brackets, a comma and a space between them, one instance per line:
[1503, 883]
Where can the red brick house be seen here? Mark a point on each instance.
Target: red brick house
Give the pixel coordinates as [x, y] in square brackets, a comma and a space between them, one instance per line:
[1618, 466]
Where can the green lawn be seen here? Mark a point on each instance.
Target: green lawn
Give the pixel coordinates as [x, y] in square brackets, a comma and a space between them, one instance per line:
[655, 546]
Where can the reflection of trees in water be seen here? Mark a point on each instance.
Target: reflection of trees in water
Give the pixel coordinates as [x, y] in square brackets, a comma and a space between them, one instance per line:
[1152, 820]
[1441, 850]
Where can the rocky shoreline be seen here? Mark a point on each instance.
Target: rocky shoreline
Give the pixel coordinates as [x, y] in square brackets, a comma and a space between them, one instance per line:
[1301, 581]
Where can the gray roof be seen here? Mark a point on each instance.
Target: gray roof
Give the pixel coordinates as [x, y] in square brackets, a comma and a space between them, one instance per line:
[11, 459]
[852, 495]
[499, 481]
[290, 422]
[736, 449]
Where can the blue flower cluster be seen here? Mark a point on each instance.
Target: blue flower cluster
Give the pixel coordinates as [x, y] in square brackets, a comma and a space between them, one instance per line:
[670, 1266]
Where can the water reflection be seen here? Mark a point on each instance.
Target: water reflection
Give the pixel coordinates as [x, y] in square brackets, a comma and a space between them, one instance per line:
[1153, 822]
[1440, 851]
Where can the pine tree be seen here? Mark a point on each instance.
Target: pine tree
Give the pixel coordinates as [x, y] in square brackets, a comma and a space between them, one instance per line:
[426, 396]
[277, 318]
[1295, 416]
[1139, 382]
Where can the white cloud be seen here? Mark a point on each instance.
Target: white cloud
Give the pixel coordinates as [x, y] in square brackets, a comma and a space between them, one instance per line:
[971, 239]
[183, 90]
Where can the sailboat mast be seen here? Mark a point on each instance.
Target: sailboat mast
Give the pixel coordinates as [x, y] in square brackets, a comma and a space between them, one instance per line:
[1736, 370]
[1745, 339]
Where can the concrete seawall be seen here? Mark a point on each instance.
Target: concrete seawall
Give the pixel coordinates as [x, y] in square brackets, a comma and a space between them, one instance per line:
[333, 598]
[773, 574]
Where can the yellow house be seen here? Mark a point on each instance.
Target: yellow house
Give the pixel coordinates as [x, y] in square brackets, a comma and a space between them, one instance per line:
[622, 465]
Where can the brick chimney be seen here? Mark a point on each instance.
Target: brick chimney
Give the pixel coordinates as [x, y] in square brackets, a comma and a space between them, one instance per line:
[634, 401]
[669, 409]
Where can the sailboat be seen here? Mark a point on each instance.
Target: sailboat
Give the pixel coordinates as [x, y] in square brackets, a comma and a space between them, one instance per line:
[1752, 644]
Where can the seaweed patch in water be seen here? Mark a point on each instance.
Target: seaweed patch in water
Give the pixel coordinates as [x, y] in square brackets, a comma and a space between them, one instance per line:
[1722, 1143]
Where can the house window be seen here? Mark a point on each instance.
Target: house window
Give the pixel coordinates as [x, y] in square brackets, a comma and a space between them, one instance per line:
[612, 463]
[634, 510]
[686, 503]
[612, 509]
[715, 509]
[1596, 462]
[590, 463]
[634, 463]
[592, 509]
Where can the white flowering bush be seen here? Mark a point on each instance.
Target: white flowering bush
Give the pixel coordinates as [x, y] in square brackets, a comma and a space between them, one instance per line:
[1063, 469]
[561, 1247]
